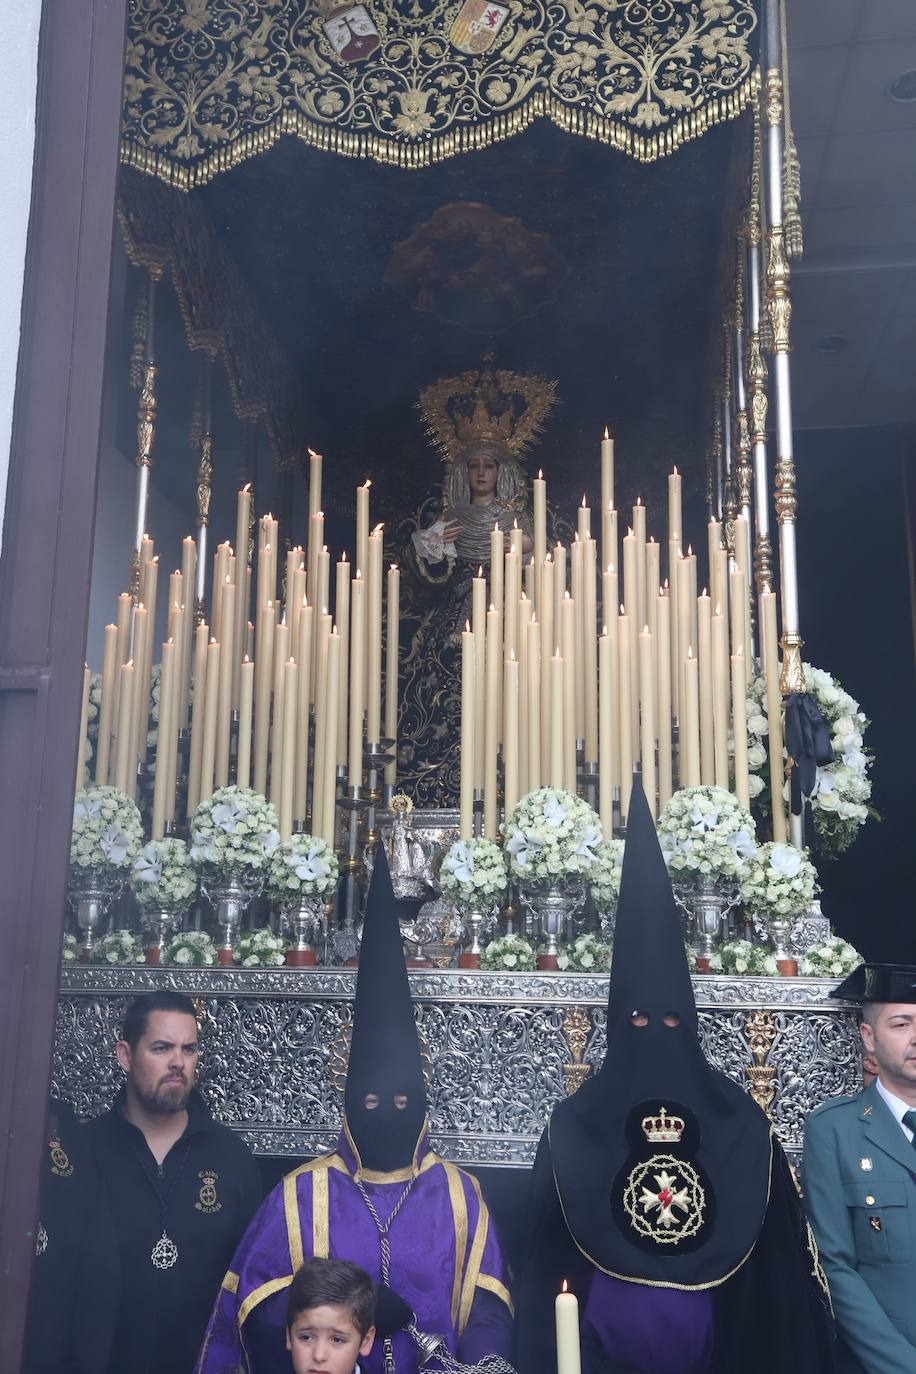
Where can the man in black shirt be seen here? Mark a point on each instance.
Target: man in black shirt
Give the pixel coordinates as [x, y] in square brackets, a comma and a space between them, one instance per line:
[181, 1189]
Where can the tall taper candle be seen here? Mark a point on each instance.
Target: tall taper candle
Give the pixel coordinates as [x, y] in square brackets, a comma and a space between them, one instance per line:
[568, 650]
[468, 712]
[392, 654]
[674, 560]
[606, 734]
[556, 762]
[280, 655]
[639, 533]
[106, 706]
[525, 609]
[720, 694]
[584, 520]
[539, 493]
[743, 562]
[607, 482]
[739, 719]
[246, 702]
[226, 667]
[549, 640]
[535, 767]
[263, 668]
[663, 697]
[124, 746]
[208, 750]
[201, 639]
[287, 759]
[374, 590]
[362, 530]
[494, 683]
[479, 629]
[690, 723]
[625, 710]
[342, 622]
[576, 584]
[675, 510]
[322, 741]
[497, 552]
[589, 664]
[329, 807]
[166, 703]
[304, 662]
[315, 465]
[653, 581]
[357, 676]
[704, 663]
[610, 557]
[647, 715]
[510, 734]
[714, 547]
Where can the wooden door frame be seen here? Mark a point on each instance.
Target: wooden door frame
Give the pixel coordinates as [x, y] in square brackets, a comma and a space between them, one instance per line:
[44, 579]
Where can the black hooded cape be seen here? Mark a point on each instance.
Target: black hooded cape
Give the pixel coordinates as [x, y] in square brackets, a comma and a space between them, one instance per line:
[734, 1223]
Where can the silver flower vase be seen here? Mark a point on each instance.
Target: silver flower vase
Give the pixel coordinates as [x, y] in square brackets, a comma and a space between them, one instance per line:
[230, 895]
[779, 929]
[552, 909]
[302, 920]
[474, 924]
[90, 896]
[159, 924]
[707, 906]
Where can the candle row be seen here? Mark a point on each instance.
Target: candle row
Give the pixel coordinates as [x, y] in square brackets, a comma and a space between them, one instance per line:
[568, 697]
[283, 704]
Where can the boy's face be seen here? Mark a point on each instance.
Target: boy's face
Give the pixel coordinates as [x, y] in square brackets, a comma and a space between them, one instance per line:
[323, 1340]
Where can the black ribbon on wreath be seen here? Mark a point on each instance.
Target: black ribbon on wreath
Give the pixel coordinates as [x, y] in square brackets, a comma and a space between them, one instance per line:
[807, 744]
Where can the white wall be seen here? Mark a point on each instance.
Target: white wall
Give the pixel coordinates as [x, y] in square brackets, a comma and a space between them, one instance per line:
[18, 78]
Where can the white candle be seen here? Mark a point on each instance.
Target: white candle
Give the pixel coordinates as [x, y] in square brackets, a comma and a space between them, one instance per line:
[539, 491]
[567, 1321]
[510, 734]
[493, 684]
[357, 677]
[739, 722]
[246, 700]
[110, 684]
[468, 712]
[607, 475]
[315, 465]
[329, 809]
[374, 638]
[606, 688]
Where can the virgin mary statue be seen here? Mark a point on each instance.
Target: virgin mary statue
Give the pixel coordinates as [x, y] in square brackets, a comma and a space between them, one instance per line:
[482, 423]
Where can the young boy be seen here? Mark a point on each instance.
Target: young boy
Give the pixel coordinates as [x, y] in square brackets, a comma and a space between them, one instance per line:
[330, 1317]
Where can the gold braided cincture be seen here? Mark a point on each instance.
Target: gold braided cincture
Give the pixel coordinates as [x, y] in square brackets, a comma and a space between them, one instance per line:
[760, 1032]
[418, 98]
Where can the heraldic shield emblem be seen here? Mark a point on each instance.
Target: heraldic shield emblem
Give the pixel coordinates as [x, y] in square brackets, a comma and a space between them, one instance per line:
[352, 34]
[477, 24]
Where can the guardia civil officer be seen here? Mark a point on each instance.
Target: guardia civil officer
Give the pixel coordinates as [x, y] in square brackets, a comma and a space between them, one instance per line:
[859, 1173]
[181, 1189]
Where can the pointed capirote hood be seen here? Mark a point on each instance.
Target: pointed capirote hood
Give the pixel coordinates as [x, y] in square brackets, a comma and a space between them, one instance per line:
[384, 1061]
[656, 1110]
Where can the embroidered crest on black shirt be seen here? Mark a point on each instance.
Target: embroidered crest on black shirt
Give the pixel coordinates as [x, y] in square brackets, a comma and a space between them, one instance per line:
[207, 1200]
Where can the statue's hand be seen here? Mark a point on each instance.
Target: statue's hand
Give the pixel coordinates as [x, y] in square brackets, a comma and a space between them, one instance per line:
[451, 532]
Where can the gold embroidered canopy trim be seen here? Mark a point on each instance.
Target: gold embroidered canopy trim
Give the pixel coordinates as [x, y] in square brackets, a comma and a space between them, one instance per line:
[211, 83]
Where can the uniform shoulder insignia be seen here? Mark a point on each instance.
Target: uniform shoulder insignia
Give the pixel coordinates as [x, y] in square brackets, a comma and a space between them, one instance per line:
[833, 1103]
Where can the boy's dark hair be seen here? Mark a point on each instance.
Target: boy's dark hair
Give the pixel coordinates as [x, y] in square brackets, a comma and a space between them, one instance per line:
[333, 1283]
[137, 1016]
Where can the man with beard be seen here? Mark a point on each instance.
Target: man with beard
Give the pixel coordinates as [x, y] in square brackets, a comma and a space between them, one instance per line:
[180, 1187]
[659, 1191]
[414, 1222]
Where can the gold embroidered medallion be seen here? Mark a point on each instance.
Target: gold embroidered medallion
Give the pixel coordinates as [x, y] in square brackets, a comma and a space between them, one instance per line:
[664, 1199]
[207, 1200]
[60, 1160]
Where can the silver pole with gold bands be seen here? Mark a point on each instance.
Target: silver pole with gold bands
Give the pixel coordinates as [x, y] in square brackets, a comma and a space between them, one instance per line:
[779, 309]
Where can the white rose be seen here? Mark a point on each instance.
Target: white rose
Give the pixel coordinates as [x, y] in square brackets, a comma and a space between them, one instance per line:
[182, 956]
[756, 756]
[757, 724]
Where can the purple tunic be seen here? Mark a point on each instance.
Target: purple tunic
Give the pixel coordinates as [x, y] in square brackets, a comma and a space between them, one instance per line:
[641, 1328]
[446, 1261]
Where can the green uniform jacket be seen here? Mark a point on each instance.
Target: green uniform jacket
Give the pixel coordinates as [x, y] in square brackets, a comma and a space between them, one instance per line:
[859, 1176]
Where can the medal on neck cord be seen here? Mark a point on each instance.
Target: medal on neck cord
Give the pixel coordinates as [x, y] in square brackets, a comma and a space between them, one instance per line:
[164, 1254]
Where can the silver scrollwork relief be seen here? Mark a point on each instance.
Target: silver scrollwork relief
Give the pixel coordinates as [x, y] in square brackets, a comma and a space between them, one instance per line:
[496, 1042]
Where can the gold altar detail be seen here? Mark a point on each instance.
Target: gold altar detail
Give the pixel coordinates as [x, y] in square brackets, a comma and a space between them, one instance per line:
[760, 1032]
[211, 84]
[576, 1030]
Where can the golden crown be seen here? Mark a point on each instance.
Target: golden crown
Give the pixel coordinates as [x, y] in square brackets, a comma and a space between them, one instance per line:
[663, 1129]
[486, 404]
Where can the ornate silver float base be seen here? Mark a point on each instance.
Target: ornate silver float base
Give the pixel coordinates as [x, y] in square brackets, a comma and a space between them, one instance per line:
[504, 1048]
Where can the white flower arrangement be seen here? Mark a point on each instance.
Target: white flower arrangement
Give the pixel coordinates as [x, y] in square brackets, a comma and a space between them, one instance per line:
[260, 949]
[70, 949]
[118, 947]
[190, 949]
[106, 835]
[779, 880]
[742, 958]
[833, 958]
[235, 829]
[508, 954]
[586, 954]
[839, 804]
[705, 833]
[551, 835]
[302, 866]
[473, 874]
[604, 878]
[163, 877]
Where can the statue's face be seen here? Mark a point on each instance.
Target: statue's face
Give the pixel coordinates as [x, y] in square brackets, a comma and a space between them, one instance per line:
[482, 473]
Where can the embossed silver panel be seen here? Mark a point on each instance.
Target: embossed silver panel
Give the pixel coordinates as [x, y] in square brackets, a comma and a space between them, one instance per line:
[499, 1053]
